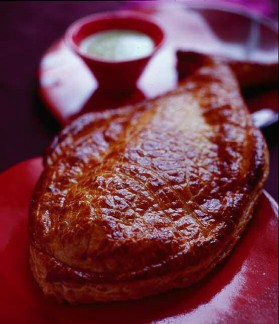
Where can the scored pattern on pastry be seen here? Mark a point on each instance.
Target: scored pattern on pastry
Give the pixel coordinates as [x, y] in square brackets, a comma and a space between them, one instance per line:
[150, 192]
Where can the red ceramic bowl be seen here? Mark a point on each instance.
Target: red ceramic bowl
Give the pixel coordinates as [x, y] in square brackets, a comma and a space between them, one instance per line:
[114, 75]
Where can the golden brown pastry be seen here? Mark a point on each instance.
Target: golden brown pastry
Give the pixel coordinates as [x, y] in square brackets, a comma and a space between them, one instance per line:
[139, 200]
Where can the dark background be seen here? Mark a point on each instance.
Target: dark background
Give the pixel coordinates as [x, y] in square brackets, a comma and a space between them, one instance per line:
[26, 31]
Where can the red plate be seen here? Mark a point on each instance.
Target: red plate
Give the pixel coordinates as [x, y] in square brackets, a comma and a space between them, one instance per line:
[69, 89]
[243, 289]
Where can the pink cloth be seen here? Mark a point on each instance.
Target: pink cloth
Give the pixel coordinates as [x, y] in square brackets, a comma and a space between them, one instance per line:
[263, 7]
[268, 8]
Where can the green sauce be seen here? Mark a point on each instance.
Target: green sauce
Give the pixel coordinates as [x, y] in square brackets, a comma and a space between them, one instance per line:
[117, 45]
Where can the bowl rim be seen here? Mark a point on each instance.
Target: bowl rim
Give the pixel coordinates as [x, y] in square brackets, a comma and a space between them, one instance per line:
[120, 14]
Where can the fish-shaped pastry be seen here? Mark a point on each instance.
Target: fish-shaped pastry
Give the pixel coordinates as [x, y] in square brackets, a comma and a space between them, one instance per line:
[142, 199]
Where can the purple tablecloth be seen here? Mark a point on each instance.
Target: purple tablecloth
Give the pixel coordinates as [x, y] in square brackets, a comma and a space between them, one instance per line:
[27, 29]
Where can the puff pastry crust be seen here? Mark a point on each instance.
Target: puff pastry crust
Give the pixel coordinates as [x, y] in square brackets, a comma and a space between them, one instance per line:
[139, 200]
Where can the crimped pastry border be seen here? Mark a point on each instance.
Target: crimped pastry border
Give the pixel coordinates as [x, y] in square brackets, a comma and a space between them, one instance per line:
[74, 292]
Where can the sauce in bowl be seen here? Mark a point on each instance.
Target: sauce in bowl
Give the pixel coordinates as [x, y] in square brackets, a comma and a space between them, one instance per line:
[117, 45]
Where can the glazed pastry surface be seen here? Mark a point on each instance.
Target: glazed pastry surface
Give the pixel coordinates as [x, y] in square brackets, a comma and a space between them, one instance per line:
[142, 199]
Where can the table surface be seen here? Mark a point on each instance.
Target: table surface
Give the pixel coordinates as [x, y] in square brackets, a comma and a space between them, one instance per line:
[26, 30]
